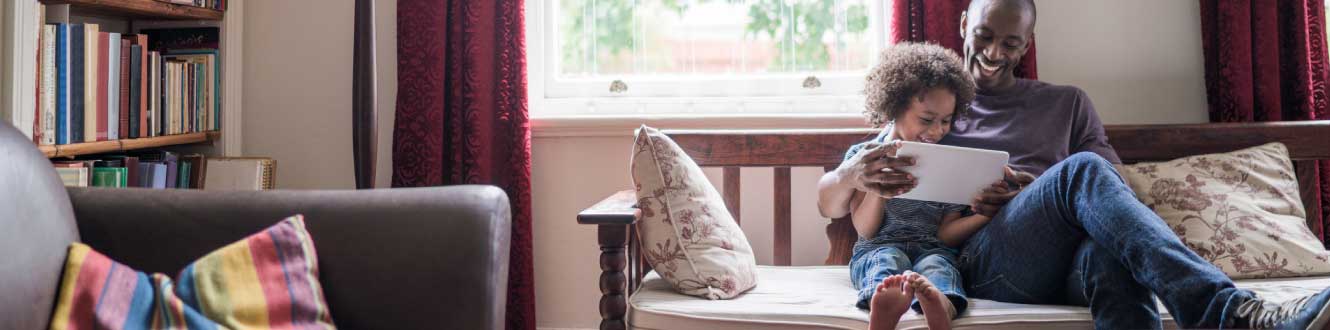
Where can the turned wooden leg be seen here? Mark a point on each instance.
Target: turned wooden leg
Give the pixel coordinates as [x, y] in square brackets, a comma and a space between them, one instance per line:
[613, 301]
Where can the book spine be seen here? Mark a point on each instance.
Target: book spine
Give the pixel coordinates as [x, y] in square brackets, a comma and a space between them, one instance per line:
[216, 63]
[112, 79]
[62, 84]
[269, 172]
[155, 100]
[145, 84]
[103, 84]
[90, 81]
[193, 82]
[49, 39]
[122, 110]
[135, 90]
[78, 76]
[38, 80]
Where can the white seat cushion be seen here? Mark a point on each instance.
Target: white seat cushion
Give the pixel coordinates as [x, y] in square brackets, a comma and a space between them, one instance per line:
[821, 297]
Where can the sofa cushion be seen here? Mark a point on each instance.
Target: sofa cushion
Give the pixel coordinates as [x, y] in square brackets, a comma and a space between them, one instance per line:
[688, 235]
[1239, 210]
[267, 280]
[36, 225]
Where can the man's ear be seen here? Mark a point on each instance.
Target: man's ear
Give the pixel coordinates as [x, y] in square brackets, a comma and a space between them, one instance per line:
[963, 17]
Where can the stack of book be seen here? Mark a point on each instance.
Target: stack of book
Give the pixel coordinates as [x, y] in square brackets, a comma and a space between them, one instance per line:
[210, 4]
[96, 85]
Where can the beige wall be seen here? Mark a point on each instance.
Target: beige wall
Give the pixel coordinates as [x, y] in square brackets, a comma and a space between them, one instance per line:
[1140, 60]
[297, 106]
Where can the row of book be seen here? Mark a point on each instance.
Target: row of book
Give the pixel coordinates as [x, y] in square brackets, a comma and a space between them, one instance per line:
[96, 85]
[210, 4]
[167, 170]
[160, 170]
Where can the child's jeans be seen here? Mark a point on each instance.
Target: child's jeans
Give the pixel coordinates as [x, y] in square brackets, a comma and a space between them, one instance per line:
[868, 267]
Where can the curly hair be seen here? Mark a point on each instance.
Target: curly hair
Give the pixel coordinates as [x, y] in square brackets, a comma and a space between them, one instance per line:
[908, 70]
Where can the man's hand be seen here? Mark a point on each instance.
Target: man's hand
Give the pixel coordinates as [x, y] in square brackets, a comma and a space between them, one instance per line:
[876, 169]
[992, 199]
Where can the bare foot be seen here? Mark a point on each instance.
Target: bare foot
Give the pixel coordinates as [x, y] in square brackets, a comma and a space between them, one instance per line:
[890, 301]
[938, 310]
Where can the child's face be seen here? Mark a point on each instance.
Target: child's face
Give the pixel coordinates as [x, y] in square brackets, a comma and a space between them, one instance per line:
[928, 117]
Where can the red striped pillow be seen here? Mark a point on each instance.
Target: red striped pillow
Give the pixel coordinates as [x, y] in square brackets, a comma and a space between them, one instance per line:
[268, 280]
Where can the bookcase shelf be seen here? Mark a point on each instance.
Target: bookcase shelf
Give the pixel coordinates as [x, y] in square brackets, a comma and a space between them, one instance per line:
[140, 9]
[88, 148]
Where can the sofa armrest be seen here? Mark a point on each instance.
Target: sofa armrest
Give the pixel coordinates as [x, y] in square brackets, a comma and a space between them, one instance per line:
[614, 218]
[388, 258]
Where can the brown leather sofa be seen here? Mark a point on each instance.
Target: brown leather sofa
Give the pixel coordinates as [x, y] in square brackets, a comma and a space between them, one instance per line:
[419, 258]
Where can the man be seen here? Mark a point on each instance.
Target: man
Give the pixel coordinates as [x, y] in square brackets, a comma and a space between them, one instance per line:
[1078, 223]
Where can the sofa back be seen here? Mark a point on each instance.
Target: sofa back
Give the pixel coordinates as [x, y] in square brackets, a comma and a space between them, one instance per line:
[36, 227]
[781, 150]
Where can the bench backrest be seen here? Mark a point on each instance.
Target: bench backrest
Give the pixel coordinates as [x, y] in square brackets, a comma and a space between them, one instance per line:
[1307, 141]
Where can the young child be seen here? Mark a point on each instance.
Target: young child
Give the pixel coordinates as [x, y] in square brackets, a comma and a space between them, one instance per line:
[906, 253]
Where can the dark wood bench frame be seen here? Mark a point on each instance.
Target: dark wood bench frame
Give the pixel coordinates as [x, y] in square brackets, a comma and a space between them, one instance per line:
[616, 217]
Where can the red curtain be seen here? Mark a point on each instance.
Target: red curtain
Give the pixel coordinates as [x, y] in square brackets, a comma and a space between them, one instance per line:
[462, 114]
[1266, 61]
[939, 21]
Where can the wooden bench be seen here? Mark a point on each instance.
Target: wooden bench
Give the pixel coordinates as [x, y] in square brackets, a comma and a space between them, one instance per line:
[615, 216]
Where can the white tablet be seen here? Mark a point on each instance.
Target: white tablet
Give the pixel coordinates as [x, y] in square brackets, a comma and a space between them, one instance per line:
[951, 174]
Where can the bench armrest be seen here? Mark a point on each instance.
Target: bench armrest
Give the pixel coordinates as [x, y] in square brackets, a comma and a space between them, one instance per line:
[614, 218]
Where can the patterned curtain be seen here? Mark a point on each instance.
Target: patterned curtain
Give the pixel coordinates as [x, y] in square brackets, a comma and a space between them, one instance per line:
[1266, 61]
[939, 21]
[462, 114]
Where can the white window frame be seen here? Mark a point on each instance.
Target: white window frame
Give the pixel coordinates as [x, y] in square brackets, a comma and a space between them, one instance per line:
[678, 99]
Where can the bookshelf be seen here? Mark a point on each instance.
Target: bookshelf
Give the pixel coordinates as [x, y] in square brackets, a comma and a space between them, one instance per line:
[134, 14]
[90, 148]
[138, 9]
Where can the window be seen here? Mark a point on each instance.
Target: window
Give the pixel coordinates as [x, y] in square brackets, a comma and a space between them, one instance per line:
[626, 57]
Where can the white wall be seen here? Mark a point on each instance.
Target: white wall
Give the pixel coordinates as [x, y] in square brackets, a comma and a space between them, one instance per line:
[1139, 60]
[297, 106]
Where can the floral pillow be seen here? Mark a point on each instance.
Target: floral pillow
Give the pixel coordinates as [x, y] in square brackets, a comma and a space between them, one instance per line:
[1239, 210]
[688, 236]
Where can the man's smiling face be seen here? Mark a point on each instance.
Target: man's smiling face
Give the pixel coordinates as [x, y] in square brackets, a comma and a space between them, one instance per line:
[997, 34]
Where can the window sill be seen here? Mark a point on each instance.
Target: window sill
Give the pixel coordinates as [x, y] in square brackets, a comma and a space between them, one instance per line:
[623, 125]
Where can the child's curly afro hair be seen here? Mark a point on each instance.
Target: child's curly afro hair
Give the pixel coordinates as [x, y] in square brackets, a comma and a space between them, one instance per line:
[907, 70]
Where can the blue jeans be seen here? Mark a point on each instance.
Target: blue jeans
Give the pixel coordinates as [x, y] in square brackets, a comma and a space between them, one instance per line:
[1080, 222]
[870, 266]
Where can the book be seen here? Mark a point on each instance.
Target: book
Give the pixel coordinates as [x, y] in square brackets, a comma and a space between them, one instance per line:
[167, 159]
[153, 175]
[182, 178]
[109, 177]
[78, 78]
[198, 169]
[155, 94]
[239, 173]
[135, 92]
[122, 101]
[91, 78]
[112, 81]
[173, 39]
[103, 82]
[62, 93]
[48, 85]
[73, 176]
[39, 78]
[132, 169]
[142, 41]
